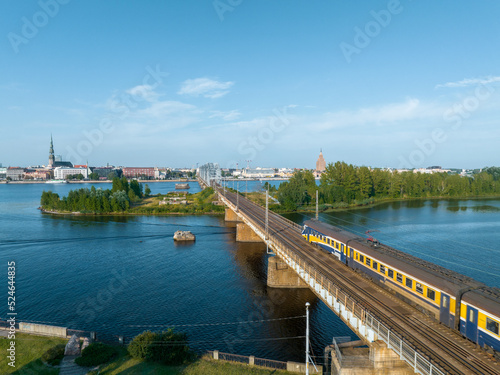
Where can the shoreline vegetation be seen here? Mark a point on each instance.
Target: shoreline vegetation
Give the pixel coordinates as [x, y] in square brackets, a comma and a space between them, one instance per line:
[33, 349]
[345, 186]
[91, 181]
[260, 199]
[129, 198]
[342, 186]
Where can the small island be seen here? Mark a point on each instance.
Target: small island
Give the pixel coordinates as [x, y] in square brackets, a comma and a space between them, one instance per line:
[129, 198]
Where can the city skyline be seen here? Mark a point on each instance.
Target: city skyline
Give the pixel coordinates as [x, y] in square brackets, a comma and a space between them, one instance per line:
[385, 84]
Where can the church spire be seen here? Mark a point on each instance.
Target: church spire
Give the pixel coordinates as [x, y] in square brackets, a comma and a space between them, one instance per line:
[51, 152]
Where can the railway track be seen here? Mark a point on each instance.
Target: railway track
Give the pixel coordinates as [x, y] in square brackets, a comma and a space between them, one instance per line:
[442, 346]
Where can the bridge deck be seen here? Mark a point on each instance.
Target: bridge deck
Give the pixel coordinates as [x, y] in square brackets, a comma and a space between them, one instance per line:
[442, 346]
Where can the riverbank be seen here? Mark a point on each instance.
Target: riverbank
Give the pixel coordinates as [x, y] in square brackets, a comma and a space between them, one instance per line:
[30, 349]
[173, 203]
[91, 181]
[373, 203]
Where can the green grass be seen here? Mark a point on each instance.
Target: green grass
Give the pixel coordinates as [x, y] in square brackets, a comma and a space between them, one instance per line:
[29, 350]
[211, 367]
[125, 365]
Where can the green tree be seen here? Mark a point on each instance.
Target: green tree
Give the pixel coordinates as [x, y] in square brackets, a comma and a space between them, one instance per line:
[112, 175]
[136, 187]
[94, 176]
[168, 347]
[297, 191]
[147, 190]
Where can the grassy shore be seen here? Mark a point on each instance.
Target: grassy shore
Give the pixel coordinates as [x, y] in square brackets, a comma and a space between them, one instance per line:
[29, 350]
[203, 366]
[260, 198]
[174, 203]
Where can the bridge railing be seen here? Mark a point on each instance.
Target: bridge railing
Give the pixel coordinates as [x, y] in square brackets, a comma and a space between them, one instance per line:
[350, 308]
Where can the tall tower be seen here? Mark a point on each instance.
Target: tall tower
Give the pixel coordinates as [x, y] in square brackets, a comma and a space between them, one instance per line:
[51, 153]
[320, 164]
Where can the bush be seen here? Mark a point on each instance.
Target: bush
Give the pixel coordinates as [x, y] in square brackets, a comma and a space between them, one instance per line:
[54, 355]
[168, 347]
[96, 354]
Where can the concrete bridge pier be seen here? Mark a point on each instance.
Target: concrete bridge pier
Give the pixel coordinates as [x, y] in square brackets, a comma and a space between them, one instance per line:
[280, 275]
[246, 234]
[358, 359]
[230, 215]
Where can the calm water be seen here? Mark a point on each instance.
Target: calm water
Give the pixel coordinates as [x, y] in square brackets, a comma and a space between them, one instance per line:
[123, 275]
[462, 235]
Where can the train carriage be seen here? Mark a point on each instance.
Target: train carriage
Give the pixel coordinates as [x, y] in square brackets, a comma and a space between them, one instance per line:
[480, 317]
[433, 289]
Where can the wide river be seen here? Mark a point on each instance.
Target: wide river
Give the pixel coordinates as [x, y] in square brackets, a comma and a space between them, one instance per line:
[124, 275]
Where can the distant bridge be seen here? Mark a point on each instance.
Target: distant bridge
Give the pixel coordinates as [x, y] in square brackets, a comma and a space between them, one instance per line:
[399, 337]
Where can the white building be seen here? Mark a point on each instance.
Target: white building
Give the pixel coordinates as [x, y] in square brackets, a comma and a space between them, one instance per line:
[160, 173]
[258, 172]
[60, 173]
[285, 172]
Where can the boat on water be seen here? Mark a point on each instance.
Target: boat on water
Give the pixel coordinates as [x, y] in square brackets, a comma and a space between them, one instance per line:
[56, 182]
[182, 186]
[184, 235]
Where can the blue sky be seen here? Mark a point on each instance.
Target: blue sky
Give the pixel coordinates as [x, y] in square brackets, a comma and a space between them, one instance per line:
[174, 83]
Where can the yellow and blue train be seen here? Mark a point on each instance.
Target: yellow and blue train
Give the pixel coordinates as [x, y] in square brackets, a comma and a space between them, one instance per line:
[437, 291]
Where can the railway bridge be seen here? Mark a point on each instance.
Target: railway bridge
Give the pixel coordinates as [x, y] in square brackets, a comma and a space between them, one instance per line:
[401, 339]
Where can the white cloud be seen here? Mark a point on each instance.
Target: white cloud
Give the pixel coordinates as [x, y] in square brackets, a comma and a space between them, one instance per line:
[143, 92]
[470, 82]
[206, 87]
[226, 116]
[382, 115]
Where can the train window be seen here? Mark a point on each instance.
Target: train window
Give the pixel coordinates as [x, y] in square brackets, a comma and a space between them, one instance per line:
[382, 269]
[375, 265]
[390, 273]
[399, 277]
[409, 282]
[362, 258]
[492, 326]
[419, 288]
[342, 248]
[445, 302]
[431, 294]
[368, 262]
[471, 316]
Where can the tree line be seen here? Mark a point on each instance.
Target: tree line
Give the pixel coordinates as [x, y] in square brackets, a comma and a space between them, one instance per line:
[97, 201]
[344, 184]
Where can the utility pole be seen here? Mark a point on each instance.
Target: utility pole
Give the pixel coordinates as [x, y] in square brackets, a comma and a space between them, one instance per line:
[317, 207]
[237, 196]
[267, 220]
[307, 337]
